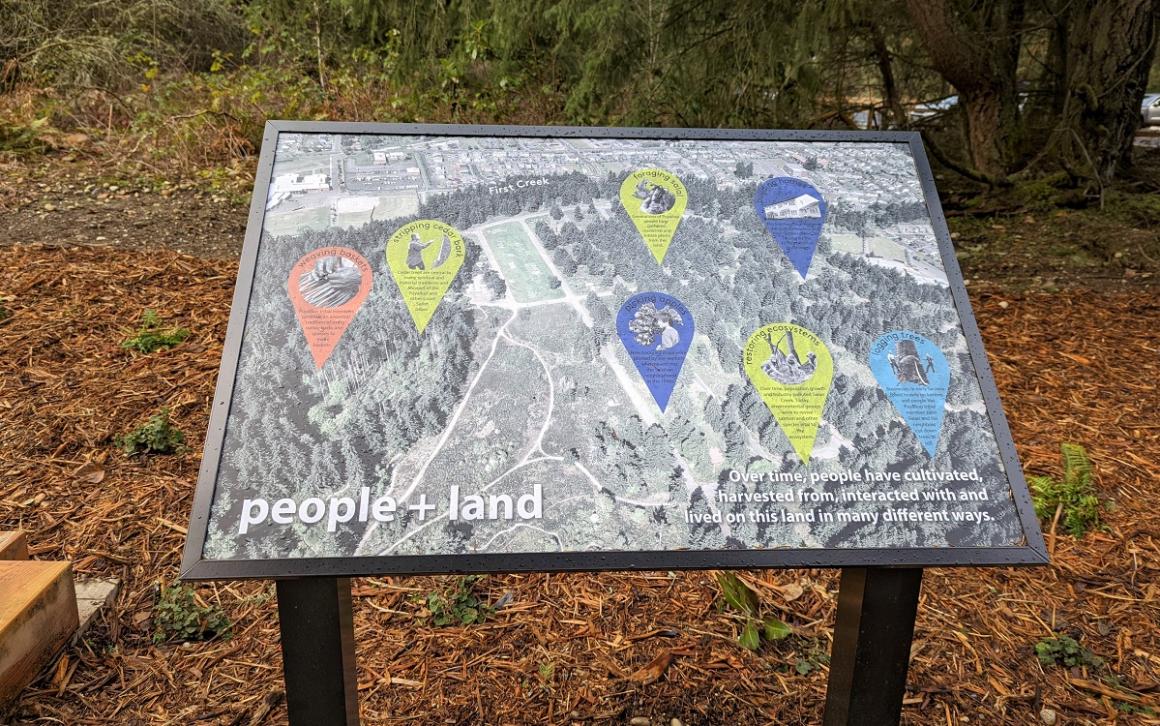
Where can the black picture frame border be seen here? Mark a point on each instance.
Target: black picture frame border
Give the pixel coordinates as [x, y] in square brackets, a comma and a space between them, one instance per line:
[1032, 551]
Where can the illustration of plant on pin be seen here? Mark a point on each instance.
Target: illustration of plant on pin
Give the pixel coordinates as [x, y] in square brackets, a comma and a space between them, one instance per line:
[656, 330]
[792, 370]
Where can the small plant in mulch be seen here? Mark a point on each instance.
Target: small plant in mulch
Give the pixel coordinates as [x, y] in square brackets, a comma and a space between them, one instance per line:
[744, 600]
[153, 335]
[179, 617]
[1064, 650]
[158, 435]
[812, 654]
[459, 606]
[1131, 708]
[1073, 499]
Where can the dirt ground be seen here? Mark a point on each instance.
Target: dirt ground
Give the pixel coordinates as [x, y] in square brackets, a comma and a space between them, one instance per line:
[75, 201]
[1073, 362]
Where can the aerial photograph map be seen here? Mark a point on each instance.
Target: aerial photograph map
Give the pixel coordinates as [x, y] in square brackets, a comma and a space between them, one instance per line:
[464, 344]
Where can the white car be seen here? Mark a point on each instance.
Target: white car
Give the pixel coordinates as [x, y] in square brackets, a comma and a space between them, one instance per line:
[1150, 109]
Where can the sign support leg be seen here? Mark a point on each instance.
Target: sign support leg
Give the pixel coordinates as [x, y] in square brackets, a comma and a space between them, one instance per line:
[317, 627]
[872, 635]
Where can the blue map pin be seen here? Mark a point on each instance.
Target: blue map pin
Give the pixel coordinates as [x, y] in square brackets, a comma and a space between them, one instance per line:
[915, 375]
[656, 330]
[793, 212]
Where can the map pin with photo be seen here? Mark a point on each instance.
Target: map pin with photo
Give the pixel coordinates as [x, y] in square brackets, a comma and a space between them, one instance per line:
[424, 257]
[791, 369]
[327, 287]
[655, 200]
[793, 213]
[915, 376]
[656, 330]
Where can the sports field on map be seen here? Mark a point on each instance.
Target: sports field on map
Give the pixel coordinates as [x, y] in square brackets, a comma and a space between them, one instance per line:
[528, 278]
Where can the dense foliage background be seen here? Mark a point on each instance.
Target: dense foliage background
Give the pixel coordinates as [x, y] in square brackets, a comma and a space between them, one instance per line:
[1038, 86]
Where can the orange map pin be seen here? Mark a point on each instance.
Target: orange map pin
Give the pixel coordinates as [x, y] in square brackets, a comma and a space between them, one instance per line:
[327, 287]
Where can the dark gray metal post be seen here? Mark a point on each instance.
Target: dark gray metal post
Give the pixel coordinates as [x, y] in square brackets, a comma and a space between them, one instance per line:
[317, 627]
[872, 635]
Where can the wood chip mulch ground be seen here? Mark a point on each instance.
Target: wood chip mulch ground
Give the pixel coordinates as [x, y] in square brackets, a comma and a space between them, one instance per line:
[609, 648]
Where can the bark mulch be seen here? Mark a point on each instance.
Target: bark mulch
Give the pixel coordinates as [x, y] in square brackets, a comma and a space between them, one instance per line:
[608, 648]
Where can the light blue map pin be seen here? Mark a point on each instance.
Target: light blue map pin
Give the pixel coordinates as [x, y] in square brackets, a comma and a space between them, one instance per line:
[656, 330]
[793, 212]
[915, 375]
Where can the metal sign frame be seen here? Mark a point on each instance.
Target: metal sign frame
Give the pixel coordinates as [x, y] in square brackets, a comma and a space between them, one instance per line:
[1031, 552]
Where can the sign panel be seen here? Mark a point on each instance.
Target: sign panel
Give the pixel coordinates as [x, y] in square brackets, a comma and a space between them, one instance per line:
[493, 348]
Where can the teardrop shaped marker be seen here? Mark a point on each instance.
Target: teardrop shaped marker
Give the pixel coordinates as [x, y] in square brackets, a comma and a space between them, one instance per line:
[791, 369]
[327, 287]
[914, 373]
[793, 213]
[424, 257]
[656, 330]
[655, 200]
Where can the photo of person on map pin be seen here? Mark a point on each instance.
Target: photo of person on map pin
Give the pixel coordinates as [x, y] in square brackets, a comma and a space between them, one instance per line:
[415, 249]
[669, 334]
[905, 364]
[657, 199]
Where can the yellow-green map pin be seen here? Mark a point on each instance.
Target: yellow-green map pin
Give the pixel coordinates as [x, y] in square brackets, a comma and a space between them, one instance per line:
[655, 200]
[792, 370]
[424, 257]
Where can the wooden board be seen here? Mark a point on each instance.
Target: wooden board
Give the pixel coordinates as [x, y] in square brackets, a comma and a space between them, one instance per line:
[13, 545]
[38, 613]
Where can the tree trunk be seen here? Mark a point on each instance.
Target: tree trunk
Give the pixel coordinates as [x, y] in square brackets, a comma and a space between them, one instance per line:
[886, 69]
[993, 128]
[1110, 50]
[1045, 106]
[976, 49]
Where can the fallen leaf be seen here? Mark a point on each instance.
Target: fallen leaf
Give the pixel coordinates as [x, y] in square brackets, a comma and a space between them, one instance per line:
[91, 472]
[791, 591]
[61, 672]
[654, 670]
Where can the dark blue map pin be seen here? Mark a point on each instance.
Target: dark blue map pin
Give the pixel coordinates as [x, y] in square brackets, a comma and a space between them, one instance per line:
[656, 330]
[793, 212]
[915, 375]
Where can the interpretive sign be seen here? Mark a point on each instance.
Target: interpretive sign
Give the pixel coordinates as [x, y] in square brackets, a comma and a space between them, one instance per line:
[492, 348]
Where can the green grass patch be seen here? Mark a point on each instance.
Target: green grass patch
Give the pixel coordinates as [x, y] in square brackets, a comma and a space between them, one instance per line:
[1065, 651]
[158, 435]
[178, 617]
[528, 278]
[459, 606]
[297, 221]
[1138, 210]
[153, 335]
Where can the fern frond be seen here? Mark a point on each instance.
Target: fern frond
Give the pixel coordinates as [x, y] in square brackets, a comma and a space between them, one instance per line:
[1077, 468]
